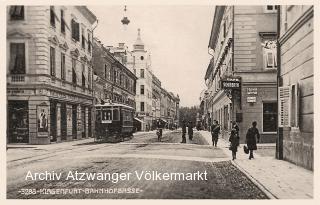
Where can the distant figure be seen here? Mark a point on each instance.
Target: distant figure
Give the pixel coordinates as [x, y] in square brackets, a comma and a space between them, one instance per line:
[159, 130]
[190, 130]
[215, 130]
[251, 136]
[234, 140]
[184, 130]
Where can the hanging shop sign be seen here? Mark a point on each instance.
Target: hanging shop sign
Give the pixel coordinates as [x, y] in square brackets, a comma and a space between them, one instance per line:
[230, 83]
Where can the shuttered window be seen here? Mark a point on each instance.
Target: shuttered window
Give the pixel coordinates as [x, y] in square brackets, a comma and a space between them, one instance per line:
[74, 74]
[83, 80]
[75, 29]
[52, 61]
[63, 66]
[16, 12]
[284, 104]
[294, 105]
[17, 63]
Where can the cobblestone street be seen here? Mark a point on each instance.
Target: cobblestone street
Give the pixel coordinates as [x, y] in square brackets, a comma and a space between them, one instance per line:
[142, 153]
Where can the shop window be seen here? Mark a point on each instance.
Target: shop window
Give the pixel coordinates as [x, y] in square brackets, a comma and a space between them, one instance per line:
[63, 66]
[52, 61]
[270, 117]
[75, 30]
[142, 89]
[17, 63]
[16, 12]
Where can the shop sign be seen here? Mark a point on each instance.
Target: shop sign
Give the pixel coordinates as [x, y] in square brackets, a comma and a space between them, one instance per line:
[251, 99]
[230, 83]
[252, 91]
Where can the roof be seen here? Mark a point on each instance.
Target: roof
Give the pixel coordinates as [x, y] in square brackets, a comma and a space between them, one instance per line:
[87, 13]
[218, 14]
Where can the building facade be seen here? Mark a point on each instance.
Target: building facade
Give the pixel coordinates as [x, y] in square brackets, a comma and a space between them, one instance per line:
[241, 77]
[296, 126]
[156, 100]
[49, 73]
[114, 82]
[142, 70]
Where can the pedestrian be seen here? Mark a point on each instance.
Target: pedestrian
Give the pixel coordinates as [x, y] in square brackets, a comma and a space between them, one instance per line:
[234, 140]
[184, 130]
[190, 130]
[252, 138]
[159, 130]
[215, 130]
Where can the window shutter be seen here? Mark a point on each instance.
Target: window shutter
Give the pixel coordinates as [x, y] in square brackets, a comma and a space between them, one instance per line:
[284, 106]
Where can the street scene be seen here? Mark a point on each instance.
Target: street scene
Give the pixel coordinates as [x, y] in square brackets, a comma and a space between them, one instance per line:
[160, 102]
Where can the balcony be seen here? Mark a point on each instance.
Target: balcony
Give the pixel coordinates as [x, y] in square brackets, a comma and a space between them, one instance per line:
[17, 78]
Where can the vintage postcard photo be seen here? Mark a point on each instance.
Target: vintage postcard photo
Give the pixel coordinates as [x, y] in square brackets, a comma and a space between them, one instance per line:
[159, 101]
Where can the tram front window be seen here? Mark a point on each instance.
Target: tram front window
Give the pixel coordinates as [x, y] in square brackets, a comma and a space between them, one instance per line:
[106, 115]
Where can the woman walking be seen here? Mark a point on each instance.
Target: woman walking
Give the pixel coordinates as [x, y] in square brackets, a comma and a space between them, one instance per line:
[251, 136]
[234, 140]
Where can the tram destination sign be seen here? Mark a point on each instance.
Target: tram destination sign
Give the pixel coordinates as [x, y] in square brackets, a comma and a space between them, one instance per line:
[230, 83]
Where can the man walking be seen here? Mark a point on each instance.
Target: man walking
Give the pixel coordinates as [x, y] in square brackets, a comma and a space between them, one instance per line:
[215, 130]
[251, 141]
[190, 130]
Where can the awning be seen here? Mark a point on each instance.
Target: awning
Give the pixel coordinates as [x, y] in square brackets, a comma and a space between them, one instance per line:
[138, 120]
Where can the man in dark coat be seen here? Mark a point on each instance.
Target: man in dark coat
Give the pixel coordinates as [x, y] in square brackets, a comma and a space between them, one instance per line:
[215, 130]
[184, 130]
[251, 136]
[190, 130]
[234, 140]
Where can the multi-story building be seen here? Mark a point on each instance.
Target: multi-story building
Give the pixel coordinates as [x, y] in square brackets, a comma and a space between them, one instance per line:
[156, 100]
[142, 69]
[242, 74]
[114, 82]
[169, 108]
[49, 73]
[296, 73]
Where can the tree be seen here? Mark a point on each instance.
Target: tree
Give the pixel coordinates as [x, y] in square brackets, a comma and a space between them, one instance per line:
[188, 114]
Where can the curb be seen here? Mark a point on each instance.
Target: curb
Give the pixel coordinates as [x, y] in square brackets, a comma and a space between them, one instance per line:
[256, 182]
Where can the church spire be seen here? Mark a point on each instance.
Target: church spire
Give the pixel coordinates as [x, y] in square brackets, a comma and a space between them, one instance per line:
[138, 45]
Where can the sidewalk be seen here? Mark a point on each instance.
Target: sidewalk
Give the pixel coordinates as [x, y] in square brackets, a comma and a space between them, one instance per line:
[277, 178]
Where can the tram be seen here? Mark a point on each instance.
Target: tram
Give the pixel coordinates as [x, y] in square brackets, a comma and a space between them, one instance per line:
[114, 122]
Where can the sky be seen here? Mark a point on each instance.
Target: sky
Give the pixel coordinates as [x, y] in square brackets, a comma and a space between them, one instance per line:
[177, 37]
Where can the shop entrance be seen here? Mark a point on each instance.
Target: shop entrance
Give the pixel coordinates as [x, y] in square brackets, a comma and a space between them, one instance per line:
[53, 121]
[74, 121]
[83, 119]
[63, 114]
[18, 123]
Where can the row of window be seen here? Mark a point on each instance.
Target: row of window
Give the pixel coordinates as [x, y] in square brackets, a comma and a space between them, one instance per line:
[18, 13]
[84, 80]
[119, 78]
